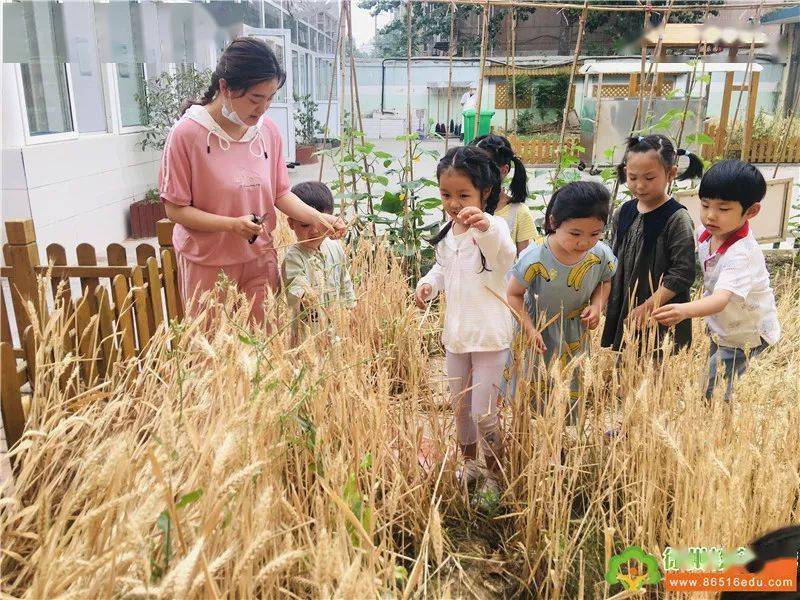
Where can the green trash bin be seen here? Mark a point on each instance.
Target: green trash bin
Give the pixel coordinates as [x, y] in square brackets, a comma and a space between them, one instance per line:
[484, 125]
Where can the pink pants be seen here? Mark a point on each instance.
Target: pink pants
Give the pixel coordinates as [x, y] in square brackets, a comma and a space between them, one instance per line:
[474, 388]
[251, 279]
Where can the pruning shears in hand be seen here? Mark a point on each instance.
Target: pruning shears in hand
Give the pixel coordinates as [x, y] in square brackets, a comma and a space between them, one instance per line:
[258, 221]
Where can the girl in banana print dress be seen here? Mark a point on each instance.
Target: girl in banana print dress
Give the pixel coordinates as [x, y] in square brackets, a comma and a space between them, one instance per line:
[560, 287]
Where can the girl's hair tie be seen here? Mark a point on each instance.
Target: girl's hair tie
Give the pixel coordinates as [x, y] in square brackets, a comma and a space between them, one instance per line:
[639, 138]
[680, 152]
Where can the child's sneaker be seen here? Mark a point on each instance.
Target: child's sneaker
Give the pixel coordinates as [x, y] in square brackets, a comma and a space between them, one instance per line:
[469, 473]
[487, 498]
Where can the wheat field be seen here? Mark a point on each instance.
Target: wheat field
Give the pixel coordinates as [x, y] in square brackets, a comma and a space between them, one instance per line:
[232, 464]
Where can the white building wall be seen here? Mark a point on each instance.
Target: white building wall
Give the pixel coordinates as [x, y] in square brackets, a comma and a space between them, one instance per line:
[15, 204]
[80, 190]
[76, 190]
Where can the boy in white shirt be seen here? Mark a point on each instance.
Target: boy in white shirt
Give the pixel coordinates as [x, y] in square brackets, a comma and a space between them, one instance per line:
[738, 302]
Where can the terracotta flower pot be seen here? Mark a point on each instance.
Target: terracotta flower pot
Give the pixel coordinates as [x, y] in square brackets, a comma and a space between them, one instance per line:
[305, 154]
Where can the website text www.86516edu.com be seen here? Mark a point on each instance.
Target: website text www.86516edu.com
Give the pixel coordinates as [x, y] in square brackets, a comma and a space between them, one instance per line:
[777, 576]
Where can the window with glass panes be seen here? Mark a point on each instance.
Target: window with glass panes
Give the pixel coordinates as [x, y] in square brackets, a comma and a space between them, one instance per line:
[44, 74]
[272, 16]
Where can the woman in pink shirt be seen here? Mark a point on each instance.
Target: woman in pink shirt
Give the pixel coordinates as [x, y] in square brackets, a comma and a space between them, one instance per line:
[222, 164]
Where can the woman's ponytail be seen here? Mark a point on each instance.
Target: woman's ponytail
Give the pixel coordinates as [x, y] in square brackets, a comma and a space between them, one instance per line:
[207, 97]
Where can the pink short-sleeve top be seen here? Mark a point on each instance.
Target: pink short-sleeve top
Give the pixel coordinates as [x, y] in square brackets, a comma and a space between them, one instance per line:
[203, 168]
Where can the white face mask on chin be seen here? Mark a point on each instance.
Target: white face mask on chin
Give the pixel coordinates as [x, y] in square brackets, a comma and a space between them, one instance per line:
[232, 115]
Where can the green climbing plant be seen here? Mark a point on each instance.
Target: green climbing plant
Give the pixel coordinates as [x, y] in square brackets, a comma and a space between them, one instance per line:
[392, 205]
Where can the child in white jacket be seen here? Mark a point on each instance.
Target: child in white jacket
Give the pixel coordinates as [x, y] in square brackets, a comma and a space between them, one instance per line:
[473, 253]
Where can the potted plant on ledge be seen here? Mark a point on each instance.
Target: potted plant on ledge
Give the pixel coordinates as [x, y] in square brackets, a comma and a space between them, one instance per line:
[306, 128]
[145, 213]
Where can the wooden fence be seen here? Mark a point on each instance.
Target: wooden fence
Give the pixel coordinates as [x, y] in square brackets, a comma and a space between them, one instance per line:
[120, 307]
[539, 152]
[765, 149]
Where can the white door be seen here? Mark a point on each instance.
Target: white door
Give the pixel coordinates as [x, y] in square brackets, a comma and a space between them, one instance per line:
[280, 111]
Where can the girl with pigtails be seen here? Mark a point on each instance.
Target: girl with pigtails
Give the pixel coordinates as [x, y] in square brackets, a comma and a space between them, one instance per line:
[652, 237]
[473, 253]
[511, 205]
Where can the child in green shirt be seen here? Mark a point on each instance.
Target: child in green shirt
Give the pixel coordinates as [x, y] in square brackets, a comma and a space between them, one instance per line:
[315, 270]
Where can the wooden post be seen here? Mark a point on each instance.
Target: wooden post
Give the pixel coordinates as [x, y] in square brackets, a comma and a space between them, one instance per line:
[11, 401]
[752, 94]
[164, 232]
[169, 268]
[5, 324]
[450, 52]
[595, 158]
[722, 129]
[22, 255]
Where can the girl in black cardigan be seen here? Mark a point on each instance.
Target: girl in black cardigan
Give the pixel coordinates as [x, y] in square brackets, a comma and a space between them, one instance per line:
[653, 239]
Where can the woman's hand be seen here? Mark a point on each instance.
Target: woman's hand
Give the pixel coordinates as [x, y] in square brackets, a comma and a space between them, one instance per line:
[336, 226]
[244, 226]
[472, 216]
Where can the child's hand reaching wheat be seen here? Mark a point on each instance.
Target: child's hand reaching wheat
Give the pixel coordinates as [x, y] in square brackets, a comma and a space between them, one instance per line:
[423, 294]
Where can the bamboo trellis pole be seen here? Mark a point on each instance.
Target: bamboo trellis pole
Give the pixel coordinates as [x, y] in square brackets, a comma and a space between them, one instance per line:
[575, 55]
[508, 56]
[748, 78]
[657, 53]
[357, 100]
[692, 81]
[608, 7]
[341, 112]
[409, 33]
[330, 95]
[785, 141]
[637, 119]
[514, 66]
[450, 52]
[484, 28]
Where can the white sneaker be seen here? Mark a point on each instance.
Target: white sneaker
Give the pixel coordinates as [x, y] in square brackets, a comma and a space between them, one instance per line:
[491, 484]
[469, 473]
[487, 499]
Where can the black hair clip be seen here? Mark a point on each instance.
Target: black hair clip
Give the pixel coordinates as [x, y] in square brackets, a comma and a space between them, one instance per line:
[265, 155]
